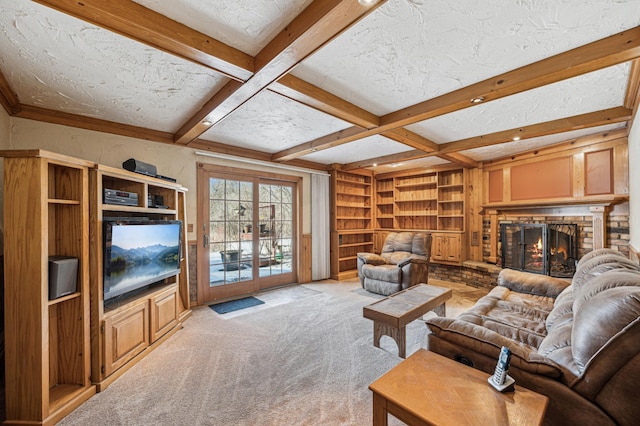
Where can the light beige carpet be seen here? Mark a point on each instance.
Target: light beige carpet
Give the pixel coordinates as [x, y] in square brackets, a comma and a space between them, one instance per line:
[305, 357]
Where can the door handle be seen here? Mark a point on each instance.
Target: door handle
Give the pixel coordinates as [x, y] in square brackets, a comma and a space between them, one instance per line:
[205, 237]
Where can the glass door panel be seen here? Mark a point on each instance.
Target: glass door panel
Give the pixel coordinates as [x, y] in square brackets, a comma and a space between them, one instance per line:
[248, 235]
[231, 205]
[276, 218]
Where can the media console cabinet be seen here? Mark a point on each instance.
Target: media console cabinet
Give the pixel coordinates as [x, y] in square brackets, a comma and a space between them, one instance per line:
[60, 352]
[125, 331]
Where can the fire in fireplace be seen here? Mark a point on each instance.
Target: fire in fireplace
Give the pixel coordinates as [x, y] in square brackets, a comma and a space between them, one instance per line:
[542, 248]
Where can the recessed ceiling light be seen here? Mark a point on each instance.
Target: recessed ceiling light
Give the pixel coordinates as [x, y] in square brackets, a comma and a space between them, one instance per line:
[375, 164]
[477, 99]
[207, 123]
[367, 2]
[516, 138]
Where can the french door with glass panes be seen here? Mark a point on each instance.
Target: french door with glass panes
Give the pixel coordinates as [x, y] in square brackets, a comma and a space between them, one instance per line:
[247, 233]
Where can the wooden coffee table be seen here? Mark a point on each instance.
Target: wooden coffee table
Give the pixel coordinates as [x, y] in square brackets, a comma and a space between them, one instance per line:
[429, 389]
[392, 314]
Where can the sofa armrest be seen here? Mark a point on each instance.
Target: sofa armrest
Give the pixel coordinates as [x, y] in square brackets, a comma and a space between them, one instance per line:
[529, 283]
[371, 258]
[413, 259]
[476, 338]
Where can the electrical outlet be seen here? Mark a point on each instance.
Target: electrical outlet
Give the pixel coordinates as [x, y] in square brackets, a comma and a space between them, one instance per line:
[189, 227]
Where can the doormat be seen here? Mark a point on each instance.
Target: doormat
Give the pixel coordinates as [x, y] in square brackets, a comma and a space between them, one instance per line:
[236, 305]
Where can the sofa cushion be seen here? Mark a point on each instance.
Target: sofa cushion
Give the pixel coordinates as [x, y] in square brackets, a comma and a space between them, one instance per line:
[396, 257]
[603, 318]
[524, 282]
[619, 277]
[381, 287]
[562, 309]
[479, 338]
[586, 270]
[420, 244]
[597, 252]
[403, 241]
[372, 258]
[389, 273]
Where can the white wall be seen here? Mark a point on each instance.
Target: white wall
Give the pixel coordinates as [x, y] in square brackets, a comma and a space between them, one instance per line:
[113, 150]
[634, 184]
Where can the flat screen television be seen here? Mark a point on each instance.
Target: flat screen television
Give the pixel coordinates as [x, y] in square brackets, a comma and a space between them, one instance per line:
[138, 253]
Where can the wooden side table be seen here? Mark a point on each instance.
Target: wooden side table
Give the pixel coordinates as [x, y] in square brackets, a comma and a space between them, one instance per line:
[392, 314]
[429, 389]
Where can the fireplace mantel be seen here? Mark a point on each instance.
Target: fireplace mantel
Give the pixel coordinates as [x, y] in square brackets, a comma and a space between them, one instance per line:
[597, 205]
[594, 200]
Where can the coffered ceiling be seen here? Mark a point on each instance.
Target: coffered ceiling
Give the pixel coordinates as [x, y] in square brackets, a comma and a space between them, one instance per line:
[316, 83]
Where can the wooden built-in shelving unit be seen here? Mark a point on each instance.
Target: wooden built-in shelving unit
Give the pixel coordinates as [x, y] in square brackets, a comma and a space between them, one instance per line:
[351, 221]
[46, 213]
[429, 200]
[125, 332]
[367, 208]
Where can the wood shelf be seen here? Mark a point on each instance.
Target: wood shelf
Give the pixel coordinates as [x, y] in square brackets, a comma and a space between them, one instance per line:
[54, 378]
[64, 298]
[436, 207]
[67, 202]
[351, 219]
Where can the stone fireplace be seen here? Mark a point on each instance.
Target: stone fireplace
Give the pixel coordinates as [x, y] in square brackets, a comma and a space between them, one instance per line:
[542, 248]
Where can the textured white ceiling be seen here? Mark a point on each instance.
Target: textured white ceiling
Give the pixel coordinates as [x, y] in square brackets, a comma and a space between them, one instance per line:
[272, 123]
[247, 25]
[570, 97]
[412, 164]
[511, 148]
[403, 53]
[408, 51]
[58, 62]
[357, 151]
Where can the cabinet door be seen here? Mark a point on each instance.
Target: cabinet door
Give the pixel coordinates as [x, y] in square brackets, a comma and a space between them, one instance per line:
[126, 334]
[447, 247]
[164, 315]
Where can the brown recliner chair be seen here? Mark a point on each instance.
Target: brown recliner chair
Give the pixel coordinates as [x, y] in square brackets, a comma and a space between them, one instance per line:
[404, 262]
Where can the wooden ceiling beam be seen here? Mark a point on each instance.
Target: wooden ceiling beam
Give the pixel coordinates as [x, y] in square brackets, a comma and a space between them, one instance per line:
[8, 97]
[340, 137]
[450, 151]
[413, 154]
[633, 86]
[134, 21]
[312, 96]
[89, 123]
[318, 24]
[577, 122]
[463, 160]
[613, 50]
[632, 96]
[411, 139]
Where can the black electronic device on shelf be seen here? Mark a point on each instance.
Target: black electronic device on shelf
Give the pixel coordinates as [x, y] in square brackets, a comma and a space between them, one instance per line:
[123, 198]
[138, 166]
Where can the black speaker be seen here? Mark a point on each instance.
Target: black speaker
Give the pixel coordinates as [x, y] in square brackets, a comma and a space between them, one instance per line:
[137, 166]
[63, 276]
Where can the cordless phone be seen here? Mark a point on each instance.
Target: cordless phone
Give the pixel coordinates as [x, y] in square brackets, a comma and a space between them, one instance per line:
[500, 379]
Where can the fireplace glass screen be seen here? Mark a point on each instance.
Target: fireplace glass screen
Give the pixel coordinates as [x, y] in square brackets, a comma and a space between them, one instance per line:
[549, 249]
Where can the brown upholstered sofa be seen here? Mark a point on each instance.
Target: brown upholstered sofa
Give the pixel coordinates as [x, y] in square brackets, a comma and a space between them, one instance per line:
[403, 262]
[578, 344]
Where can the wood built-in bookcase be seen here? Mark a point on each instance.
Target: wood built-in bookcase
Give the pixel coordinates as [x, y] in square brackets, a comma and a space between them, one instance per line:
[46, 213]
[429, 200]
[351, 221]
[366, 208]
